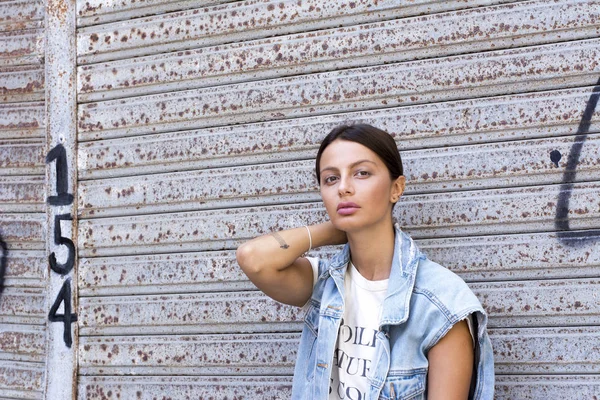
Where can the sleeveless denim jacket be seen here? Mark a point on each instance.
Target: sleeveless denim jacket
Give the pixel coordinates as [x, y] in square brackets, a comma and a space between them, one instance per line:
[423, 301]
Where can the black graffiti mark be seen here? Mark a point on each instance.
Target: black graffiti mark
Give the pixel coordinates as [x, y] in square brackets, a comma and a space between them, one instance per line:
[561, 220]
[65, 268]
[63, 198]
[3, 262]
[64, 296]
[555, 157]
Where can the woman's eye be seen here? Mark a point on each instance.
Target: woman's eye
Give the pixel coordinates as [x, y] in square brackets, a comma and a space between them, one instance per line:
[363, 173]
[330, 179]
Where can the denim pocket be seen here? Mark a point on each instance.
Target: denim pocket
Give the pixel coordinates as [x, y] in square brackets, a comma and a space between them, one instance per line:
[405, 386]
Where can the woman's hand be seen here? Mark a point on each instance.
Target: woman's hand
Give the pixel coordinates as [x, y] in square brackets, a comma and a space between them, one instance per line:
[274, 262]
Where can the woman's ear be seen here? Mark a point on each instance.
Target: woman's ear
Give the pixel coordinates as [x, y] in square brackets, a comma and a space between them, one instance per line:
[398, 186]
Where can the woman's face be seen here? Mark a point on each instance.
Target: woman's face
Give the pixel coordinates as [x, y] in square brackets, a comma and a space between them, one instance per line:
[356, 186]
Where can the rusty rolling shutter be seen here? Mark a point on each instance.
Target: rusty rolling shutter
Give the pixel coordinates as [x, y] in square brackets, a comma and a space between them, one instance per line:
[23, 269]
[197, 129]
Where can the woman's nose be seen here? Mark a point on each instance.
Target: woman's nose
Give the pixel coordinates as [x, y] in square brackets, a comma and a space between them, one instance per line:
[345, 187]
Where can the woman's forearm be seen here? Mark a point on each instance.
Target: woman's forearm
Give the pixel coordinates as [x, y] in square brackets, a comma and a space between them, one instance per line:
[278, 250]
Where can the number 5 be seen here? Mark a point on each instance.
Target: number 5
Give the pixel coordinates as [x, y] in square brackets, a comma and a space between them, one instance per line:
[65, 268]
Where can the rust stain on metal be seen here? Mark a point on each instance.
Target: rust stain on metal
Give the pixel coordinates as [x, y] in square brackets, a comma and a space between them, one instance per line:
[27, 266]
[20, 15]
[542, 350]
[451, 78]
[188, 272]
[180, 230]
[22, 191]
[21, 376]
[233, 22]
[26, 344]
[491, 211]
[186, 313]
[390, 41]
[21, 120]
[22, 229]
[264, 354]
[22, 156]
[515, 257]
[540, 303]
[22, 47]
[516, 163]
[198, 387]
[422, 126]
[22, 83]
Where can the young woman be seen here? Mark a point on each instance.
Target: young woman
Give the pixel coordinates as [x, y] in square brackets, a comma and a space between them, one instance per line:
[382, 321]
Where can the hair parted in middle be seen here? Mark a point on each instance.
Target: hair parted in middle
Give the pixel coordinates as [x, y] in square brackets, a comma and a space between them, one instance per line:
[376, 140]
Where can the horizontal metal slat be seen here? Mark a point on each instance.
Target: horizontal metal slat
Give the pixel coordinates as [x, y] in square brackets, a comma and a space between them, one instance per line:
[496, 211]
[21, 14]
[23, 306]
[437, 35]
[93, 12]
[26, 268]
[545, 67]
[445, 169]
[166, 273]
[516, 351]
[265, 354]
[202, 230]
[186, 313]
[485, 258]
[22, 343]
[22, 120]
[22, 193]
[513, 304]
[22, 157]
[23, 231]
[21, 380]
[491, 211]
[515, 257]
[415, 127]
[569, 302]
[21, 83]
[510, 387]
[170, 273]
[546, 350]
[157, 387]
[238, 21]
[22, 47]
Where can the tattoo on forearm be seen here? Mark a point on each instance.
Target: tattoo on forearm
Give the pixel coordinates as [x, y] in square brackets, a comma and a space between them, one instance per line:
[282, 243]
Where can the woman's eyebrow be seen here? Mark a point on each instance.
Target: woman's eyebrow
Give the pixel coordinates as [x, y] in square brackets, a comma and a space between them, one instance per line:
[354, 164]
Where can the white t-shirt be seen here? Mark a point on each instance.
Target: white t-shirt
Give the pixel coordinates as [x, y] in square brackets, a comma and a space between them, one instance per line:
[355, 345]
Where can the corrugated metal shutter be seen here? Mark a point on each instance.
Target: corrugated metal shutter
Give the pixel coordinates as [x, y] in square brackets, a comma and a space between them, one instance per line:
[22, 197]
[197, 130]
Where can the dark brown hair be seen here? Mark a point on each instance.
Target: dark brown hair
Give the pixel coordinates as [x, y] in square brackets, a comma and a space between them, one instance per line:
[378, 141]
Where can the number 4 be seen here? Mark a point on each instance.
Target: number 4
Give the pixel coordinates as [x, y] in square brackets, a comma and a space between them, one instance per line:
[67, 318]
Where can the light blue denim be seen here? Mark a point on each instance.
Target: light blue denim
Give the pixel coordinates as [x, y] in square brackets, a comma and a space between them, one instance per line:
[423, 301]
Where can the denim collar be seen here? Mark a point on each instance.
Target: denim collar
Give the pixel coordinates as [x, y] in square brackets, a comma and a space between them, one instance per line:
[401, 281]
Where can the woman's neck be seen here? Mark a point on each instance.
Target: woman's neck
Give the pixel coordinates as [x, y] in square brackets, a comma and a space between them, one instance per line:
[372, 251]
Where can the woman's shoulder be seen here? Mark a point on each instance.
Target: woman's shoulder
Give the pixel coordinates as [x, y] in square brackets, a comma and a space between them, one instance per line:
[445, 289]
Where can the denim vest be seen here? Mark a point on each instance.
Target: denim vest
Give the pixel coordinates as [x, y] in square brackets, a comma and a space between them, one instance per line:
[423, 301]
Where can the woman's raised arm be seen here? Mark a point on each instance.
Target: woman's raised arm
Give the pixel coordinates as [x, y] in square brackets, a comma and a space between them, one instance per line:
[274, 262]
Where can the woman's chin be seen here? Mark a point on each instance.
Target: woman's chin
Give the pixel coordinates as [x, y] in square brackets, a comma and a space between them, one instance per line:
[346, 224]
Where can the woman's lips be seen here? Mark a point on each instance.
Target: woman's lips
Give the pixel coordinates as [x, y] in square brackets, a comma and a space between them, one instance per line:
[347, 208]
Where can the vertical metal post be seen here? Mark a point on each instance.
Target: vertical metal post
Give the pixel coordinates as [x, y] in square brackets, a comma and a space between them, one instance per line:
[61, 204]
